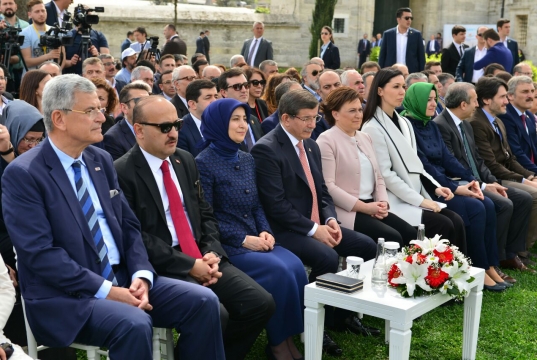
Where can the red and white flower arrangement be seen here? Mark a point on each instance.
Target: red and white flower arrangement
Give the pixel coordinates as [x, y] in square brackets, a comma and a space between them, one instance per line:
[430, 266]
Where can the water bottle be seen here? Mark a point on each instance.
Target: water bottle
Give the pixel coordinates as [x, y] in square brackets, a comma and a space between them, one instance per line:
[379, 275]
[421, 232]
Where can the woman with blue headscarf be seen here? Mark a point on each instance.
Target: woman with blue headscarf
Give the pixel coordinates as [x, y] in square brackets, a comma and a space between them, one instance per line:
[228, 181]
[477, 211]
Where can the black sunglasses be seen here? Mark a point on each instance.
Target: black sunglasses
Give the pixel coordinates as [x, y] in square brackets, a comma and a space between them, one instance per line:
[167, 126]
[408, 18]
[258, 82]
[479, 34]
[237, 87]
[316, 72]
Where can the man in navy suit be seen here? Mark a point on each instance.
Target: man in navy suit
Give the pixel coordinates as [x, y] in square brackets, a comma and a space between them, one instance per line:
[200, 44]
[403, 44]
[199, 94]
[503, 26]
[56, 10]
[297, 204]
[433, 46]
[182, 76]
[257, 49]
[120, 138]
[79, 246]
[496, 52]
[465, 69]
[520, 122]
[452, 55]
[364, 49]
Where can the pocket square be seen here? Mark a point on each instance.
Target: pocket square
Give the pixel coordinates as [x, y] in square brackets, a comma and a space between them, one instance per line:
[113, 193]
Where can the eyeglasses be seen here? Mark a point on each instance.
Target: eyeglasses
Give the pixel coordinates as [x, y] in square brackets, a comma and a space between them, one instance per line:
[316, 72]
[93, 113]
[167, 126]
[238, 87]
[132, 99]
[3, 78]
[308, 119]
[527, 74]
[325, 33]
[187, 78]
[167, 82]
[408, 18]
[258, 82]
[148, 80]
[479, 35]
[108, 63]
[32, 141]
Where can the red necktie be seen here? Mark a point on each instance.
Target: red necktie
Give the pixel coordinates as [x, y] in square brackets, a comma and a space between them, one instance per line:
[311, 183]
[523, 117]
[180, 223]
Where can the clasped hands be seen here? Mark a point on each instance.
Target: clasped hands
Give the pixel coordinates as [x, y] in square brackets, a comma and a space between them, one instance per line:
[205, 270]
[136, 295]
[329, 234]
[471, 189]
[263, 242]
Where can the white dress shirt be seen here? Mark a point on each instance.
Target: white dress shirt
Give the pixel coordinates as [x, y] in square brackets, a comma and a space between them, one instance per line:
[62, 13]
[183, 100]
[154, 164]
[253, 51]
[479, 54]
[367, 175]
[401, 41]
[197, 122]
[431, 46]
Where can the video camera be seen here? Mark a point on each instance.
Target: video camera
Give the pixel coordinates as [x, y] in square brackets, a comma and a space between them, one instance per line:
[83, 19]
[52, 39]
[10, 42]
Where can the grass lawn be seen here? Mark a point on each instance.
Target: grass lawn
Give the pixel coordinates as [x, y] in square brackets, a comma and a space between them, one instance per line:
[508, 330]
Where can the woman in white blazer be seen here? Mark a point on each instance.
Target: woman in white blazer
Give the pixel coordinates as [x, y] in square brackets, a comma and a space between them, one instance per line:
[408, 184]
[352, 174]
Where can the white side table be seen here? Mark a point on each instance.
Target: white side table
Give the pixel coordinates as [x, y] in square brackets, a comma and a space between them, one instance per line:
[386, 303]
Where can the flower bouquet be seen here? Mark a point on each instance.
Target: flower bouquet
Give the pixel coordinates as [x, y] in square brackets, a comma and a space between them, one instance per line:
[429, 266]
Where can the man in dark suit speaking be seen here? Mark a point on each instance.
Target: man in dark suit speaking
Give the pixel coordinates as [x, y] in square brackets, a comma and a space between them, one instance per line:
[297, 204]
[81, 258]
[257, 49]
[162, 186]
[403, 44]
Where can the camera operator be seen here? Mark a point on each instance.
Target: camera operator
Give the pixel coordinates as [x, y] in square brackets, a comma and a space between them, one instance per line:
[9, 19]
[33, 53]
[99, 45]
[141, 42]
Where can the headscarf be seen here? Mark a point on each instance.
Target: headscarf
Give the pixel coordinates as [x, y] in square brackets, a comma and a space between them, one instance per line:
[21, 117]
[215, 127]
[415, 102]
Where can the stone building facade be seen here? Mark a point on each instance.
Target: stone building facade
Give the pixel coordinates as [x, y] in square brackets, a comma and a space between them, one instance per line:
[287, 26]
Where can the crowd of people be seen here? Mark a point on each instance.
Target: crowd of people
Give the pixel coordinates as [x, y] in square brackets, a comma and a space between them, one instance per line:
[191, 197]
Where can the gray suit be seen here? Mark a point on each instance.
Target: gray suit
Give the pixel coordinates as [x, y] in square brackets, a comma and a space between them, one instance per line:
[264, 51]
[512, 213]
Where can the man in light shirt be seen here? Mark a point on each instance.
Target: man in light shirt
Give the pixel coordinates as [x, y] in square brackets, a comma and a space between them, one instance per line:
[465, 70]
[503, 26]
[257, 49]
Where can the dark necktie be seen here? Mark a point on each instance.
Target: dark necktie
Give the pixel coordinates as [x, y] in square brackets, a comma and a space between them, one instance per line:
[248, 140]
[180, 222]
[304, 161]
[469, 153]
[525, 126]
[251, 54]
[460, 50]
[497, 129]
[90, 214]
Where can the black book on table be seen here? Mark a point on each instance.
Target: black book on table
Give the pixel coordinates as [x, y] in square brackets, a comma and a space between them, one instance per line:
[339, 283]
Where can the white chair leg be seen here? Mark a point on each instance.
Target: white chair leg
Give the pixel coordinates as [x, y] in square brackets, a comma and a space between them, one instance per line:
[32, 344]
[156, 344]
[92, 354]
[169, 344]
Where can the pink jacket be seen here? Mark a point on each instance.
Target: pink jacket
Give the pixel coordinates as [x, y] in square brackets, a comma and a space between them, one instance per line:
[341, 171]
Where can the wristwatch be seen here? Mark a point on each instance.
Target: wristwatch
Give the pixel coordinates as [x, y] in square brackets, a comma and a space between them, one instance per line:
[8, 151]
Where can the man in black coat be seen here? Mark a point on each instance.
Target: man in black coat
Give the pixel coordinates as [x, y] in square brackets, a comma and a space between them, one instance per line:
[364, 49]
[183, 243]
[453, 54]
[513, 206]
[174, 45]
[182, 76]
[207, 45]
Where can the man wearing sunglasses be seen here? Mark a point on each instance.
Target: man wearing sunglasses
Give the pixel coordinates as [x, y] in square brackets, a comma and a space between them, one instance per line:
[403, 44]
[326, 82]
[310, 73]
[465, 69]
[120, 138]
[161, 183]
[181, 77]
[233, 84]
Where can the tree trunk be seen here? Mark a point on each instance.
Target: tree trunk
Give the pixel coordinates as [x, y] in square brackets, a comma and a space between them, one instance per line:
[22, 11]
[323, 13]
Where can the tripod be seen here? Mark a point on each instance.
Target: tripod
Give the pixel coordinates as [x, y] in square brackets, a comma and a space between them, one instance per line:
[10, 49]
[85, 44]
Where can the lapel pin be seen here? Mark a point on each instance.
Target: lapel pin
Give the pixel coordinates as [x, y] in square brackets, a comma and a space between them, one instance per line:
[97, 169]
[309, 149]
[177, 161]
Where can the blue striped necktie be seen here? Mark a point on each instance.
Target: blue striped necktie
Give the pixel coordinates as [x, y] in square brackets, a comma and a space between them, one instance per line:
[90, 214]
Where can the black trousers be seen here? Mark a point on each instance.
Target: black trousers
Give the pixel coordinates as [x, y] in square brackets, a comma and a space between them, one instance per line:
[391, 228]
[448, 224]
[246, 309]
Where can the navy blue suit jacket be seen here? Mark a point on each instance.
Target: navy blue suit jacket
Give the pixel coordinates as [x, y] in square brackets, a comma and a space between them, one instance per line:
[283, 186]
[270, 122]
[320, 128]
[436, 48]
[497, 54]
[200, 45]
[119, 139]
[523, 143]
[189, 136]
[331, 57]
[512, 45]
[52, 14]
[415, 51]
[59, 266]
[465, 68]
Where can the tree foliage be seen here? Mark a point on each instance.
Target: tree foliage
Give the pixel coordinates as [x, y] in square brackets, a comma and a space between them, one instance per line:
[22, 10]
[323, 13]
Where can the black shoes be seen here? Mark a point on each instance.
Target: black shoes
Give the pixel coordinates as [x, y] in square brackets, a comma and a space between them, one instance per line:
[330, 347]
[495, 288]
[354, 325]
